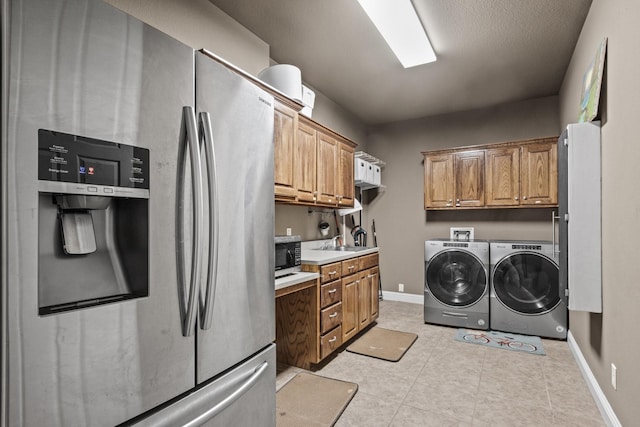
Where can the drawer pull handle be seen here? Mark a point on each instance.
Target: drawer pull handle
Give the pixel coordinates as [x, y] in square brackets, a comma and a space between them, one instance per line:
[331, 316]
[333, 291]
[331, 273]
[333, 339]
[351, 267]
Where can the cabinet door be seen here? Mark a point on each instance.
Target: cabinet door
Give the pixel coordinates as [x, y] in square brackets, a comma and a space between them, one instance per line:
[364, 299]
[539, 174]
[345, 180]
[327, 169]
[285, 125]
[349, 306]
[503, 176]
[438, 181]
[305, 163]
[469, 178]
[374, 279]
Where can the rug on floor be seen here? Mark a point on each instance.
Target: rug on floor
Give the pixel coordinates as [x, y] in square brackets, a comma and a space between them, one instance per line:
[383, 344]
[523, 343]
[312, 400]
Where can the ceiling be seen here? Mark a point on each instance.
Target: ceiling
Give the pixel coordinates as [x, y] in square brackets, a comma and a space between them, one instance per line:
[489, 52]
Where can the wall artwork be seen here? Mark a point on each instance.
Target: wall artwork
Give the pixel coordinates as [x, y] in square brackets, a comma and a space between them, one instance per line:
[591, 85]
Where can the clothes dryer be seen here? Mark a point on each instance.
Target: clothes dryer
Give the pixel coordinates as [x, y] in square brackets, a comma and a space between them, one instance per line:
[526, 295]
[456, 291]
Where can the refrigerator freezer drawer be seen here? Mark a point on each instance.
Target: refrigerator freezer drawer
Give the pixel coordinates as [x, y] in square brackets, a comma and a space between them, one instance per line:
[245, 396]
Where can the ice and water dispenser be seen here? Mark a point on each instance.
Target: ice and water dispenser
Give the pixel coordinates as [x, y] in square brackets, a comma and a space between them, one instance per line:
[93, 218]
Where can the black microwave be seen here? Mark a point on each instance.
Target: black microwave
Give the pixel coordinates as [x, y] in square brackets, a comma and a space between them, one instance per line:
[288, 254]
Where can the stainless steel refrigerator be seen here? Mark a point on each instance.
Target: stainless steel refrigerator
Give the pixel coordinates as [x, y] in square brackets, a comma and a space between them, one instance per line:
[137, 226]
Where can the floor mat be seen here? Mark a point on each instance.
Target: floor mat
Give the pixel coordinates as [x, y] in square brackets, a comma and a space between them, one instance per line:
[503, 340]
[383, 344]
[312, 400]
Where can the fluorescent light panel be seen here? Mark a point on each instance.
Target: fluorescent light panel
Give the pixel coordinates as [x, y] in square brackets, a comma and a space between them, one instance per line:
[400, 26]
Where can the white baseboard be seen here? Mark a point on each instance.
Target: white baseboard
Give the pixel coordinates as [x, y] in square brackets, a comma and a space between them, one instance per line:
[402, 297]
[605, 408]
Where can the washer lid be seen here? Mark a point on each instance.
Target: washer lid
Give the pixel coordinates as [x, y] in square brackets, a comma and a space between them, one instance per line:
[527, 283]
[456, 278]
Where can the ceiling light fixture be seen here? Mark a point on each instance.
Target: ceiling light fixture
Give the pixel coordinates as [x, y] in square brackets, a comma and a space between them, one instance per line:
[400, 26]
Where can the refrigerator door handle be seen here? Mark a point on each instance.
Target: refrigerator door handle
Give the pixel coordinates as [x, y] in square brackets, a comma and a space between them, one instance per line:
[207, 301]
[232, 397]
[189, 142]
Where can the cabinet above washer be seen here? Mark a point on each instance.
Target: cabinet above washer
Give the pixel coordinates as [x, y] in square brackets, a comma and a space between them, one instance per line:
[518, 174]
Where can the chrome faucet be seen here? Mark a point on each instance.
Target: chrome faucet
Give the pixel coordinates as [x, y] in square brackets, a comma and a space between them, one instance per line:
[333, 243]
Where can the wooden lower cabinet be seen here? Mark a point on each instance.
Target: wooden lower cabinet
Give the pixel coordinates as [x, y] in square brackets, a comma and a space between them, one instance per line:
[350, 307]
[330, 342]
[375, 298]
[360, 296]
[318, 322]
[364, 300]
[297, 324]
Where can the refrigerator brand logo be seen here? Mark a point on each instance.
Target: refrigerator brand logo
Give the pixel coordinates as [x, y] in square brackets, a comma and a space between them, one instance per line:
[264, 101]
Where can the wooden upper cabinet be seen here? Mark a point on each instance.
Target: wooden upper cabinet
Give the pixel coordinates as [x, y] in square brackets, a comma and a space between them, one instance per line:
[454, 180]
[539, 173]
[345, 180]
[285, 125]
[305, 162]
[327, 168]
[512, 174]
[469, 178]
[438, 181]
[313, 164]
[503, 176]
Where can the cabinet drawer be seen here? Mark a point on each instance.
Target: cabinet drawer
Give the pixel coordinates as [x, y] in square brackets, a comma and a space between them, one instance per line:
[330, 272]
[368, 261]
[330, 342]
[350, 266]
[330, 293]
[330, 317]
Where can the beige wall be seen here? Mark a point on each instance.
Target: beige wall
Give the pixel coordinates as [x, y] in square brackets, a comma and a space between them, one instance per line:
[608, 337]
[401, 222]
[200, 24]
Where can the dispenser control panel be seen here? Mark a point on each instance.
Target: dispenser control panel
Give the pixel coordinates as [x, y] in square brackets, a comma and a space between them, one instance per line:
[99, 164]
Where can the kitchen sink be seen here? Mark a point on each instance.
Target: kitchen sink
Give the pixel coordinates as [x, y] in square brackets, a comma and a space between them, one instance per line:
[344, 248]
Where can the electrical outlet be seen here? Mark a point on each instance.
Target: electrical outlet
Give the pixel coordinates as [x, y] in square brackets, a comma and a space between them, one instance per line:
[400, 287]
[461, 233]
[288, 231]
[614, 375]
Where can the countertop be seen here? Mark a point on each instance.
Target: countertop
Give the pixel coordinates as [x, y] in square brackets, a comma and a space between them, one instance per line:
[321, 257]
[294, 279]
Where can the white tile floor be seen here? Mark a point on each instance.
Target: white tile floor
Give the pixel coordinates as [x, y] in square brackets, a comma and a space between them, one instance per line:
[443, 382]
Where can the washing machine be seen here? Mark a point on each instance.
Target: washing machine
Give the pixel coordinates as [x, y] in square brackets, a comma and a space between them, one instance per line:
[526, 296]
[456, 291]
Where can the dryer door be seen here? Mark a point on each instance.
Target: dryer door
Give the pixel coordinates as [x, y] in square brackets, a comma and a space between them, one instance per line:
[456, 278]
[527, 283]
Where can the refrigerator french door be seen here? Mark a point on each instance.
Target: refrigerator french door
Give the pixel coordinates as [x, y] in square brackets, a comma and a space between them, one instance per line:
[120, 302]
